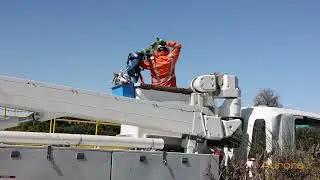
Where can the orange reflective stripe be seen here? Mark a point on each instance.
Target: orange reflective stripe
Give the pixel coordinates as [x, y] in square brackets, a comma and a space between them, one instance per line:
[155, 68]
[171, 74]
[171, 65]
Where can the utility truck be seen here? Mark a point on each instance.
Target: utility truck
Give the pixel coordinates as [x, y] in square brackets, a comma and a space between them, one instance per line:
[169, 133]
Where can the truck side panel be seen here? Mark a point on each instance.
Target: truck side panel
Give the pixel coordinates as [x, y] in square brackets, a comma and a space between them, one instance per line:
[41, 163]
[32, 164]
[127, 165]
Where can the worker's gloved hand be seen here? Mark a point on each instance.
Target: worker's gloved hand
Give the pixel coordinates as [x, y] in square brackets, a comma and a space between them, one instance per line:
[148, 52]
[140, 54]
[162, 43]
[158, 42]
[154, 45]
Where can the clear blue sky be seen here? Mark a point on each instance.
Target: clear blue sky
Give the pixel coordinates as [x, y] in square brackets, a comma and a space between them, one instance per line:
[268, 44]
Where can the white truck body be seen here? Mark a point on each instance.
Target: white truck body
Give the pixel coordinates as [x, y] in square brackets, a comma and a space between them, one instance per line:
[149, 121]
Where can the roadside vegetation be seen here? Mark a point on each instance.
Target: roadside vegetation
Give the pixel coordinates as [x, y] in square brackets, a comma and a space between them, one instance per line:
[280, 164]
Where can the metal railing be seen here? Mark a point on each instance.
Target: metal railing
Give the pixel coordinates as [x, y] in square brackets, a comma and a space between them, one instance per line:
[6, 113]
[53, 124]
[97, 123]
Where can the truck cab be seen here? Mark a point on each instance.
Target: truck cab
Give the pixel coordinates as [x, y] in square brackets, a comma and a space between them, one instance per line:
[267, 128]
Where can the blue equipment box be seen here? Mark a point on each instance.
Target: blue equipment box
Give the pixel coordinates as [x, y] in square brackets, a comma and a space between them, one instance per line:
[127, 90]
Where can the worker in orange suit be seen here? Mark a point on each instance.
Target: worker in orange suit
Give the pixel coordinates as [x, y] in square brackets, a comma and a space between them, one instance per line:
[162, 64]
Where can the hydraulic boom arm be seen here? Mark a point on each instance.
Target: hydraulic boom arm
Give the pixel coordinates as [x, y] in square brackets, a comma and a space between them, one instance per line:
[53, 101]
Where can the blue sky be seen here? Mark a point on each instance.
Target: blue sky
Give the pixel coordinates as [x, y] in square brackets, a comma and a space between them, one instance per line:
[267, 44]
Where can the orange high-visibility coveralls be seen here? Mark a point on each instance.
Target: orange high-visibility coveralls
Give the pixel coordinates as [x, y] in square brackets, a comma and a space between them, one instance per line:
[162, 65]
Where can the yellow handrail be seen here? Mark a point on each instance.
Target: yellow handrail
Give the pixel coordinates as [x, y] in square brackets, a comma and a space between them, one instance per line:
[89, 122]
[97, 125]
[5, 113]
[50, 126]
[53, 128]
